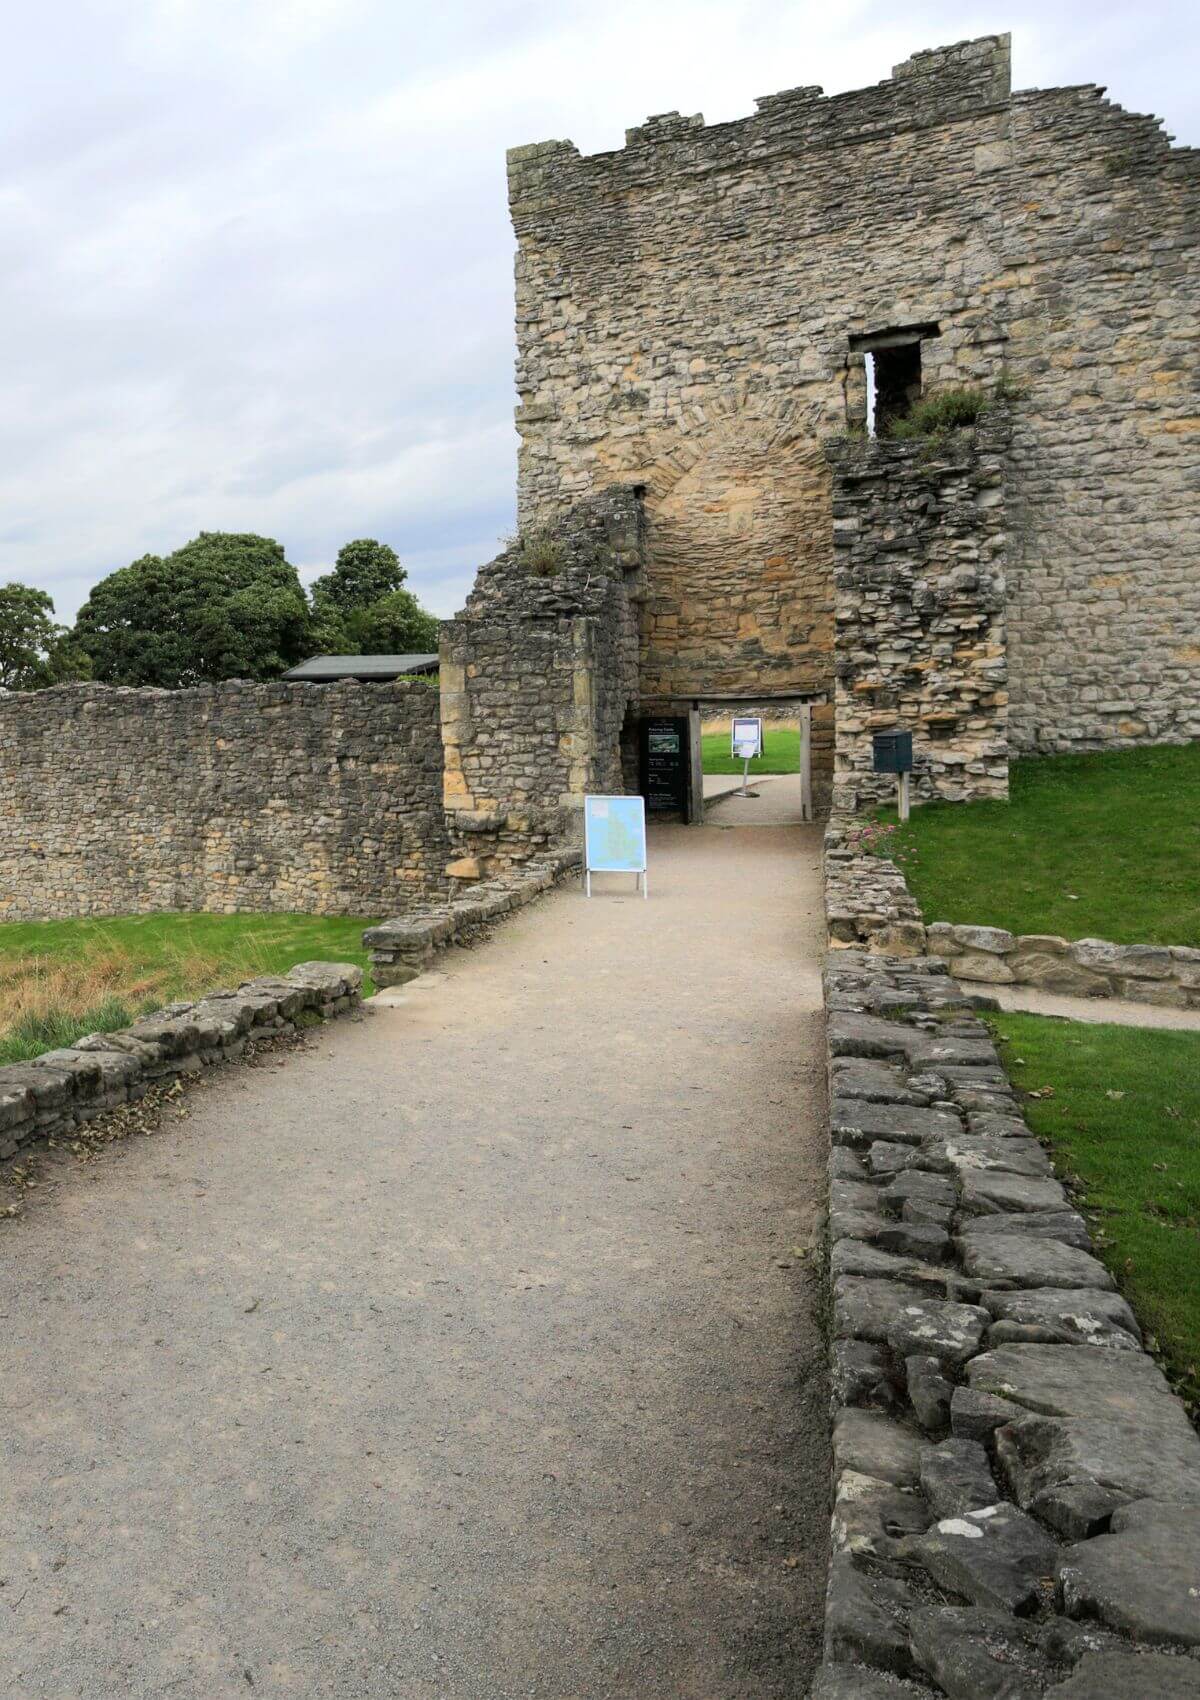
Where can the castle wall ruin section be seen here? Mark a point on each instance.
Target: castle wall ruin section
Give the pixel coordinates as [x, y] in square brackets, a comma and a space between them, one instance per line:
[538, 676]
[692, 311]
[920, 545]
[322, 799]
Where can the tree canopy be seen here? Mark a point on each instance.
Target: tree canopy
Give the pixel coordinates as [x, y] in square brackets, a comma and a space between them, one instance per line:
[34, 649]
[226, 606]
[361, 607]
[365, 572]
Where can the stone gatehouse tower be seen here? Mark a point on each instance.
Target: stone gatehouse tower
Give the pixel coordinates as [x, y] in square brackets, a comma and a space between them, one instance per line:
[693, 315]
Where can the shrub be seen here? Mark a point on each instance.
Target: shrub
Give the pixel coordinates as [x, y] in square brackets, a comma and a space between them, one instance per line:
[946, 410]
[542, 553]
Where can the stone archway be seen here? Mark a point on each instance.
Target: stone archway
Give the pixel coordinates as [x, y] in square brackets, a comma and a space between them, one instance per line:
[738, 594]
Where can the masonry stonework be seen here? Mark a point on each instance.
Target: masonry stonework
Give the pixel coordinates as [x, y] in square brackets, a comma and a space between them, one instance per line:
[920, 544]
[685, 313]
[324, 799]
[538, 674]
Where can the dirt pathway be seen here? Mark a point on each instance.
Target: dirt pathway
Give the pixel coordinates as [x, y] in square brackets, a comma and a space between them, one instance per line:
[1117, 1012]
[464, 1355]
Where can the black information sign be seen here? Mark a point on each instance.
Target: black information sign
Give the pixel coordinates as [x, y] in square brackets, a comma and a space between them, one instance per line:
[665, 763]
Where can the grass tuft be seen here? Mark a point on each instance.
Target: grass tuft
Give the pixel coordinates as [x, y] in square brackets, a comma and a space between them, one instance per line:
[945, 410]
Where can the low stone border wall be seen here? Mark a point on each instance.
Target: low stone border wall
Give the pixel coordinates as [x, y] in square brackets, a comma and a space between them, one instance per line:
[1016, 1504]
[58, 1091]
[868, 903]
[1089, 968]
[406, 946]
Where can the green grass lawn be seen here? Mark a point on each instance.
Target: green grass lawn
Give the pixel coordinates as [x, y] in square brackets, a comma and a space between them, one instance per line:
[61, 979]
[1124, 1118]
[781, 752]
[1096, 846]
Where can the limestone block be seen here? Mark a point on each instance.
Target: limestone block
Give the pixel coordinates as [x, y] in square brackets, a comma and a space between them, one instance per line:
[992, 940]
[1131, 961]
[900, 938]
[940, 939]
[985, 969]
[1057, 973]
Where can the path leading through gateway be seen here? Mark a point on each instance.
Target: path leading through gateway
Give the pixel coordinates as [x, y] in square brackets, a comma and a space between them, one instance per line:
[467, 1354]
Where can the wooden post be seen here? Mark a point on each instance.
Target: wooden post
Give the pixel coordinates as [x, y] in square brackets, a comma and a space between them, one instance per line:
[806, 802]
[902, 788]
[695, 809]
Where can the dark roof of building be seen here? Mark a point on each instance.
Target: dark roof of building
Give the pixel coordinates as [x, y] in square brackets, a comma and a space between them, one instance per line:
[325, 669]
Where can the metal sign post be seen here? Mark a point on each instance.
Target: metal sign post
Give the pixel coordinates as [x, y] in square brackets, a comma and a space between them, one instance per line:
[747, 743]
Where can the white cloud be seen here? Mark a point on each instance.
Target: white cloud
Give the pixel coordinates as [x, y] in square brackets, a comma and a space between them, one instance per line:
[255, 263]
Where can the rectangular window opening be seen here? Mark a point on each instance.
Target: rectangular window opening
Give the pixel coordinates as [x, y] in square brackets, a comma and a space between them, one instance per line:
[893, 363]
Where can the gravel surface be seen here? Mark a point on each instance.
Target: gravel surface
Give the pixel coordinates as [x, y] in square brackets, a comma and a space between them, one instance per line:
[467, 1353]
[1119, 1012]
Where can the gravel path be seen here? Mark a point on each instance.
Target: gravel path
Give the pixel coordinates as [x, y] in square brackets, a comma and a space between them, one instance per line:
[1117, 1011]
[465, 1354]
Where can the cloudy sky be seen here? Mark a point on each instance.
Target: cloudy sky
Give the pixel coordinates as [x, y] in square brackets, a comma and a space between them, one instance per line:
[255, 263]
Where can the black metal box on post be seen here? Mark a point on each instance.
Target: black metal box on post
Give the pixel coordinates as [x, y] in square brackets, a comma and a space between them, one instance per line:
[892, 752]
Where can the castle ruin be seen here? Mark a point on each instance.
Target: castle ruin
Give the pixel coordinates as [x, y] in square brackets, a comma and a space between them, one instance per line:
[706, 517]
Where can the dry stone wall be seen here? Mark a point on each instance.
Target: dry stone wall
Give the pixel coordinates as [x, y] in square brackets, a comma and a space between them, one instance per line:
[920, 595]
[538, 675]
[1016, 1496]
[324, 799]
[685, 309]
[60, 1092]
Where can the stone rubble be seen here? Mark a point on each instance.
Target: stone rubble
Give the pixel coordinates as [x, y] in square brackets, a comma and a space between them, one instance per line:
[61, 1090]
[1016, 1506]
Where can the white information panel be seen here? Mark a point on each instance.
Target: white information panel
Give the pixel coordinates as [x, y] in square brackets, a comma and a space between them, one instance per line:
[614, 838]
[747, 739]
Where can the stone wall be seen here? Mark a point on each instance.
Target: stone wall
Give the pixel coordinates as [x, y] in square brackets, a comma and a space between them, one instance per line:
[405, 946]
[868, 904]
[1166, 975]
[324, 799]
[685, 309]
[1016, 1497]
[919, 599]
[60, 1092]
[538, 674]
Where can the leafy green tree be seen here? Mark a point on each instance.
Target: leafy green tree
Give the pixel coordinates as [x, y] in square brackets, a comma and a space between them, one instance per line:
[365, 571]
[361, 607]
[34, 649]
[227, 605]
[395, 625]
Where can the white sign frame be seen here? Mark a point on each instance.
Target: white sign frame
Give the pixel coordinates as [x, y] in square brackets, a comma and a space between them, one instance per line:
[740, 741]
[590, 865]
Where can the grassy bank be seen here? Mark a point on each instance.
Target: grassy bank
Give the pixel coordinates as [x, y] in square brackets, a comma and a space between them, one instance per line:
[61, 979]
[781, 752]
[1097, 846]
[1123, 1119]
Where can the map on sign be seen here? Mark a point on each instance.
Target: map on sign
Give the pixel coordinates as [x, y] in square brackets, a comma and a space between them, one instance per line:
[614, 833]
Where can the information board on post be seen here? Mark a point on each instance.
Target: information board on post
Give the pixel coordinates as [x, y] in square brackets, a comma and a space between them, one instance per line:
[614, 839]
[747, 745]
[747, 738]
